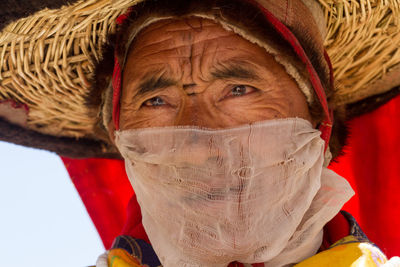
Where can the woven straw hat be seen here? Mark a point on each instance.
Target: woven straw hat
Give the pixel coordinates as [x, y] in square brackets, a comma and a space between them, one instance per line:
[47, 62]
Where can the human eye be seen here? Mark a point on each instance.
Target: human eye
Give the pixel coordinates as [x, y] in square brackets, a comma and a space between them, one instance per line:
[154, 102]
[240, 90]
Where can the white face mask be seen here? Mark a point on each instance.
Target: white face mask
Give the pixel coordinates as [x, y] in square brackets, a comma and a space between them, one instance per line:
[255, 193]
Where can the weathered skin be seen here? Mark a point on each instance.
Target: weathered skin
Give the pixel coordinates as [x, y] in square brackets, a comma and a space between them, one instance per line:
[250, 85]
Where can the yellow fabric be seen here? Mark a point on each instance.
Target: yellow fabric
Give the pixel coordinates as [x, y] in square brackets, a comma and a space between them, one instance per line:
[121, 258]
[347, 253]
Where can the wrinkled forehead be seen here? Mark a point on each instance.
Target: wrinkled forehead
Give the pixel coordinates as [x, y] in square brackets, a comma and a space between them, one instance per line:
[181, 37]
[188, 36]
[184, 29]
[191, 42]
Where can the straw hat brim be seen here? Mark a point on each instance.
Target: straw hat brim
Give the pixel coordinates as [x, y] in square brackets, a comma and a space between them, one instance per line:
[47, 62]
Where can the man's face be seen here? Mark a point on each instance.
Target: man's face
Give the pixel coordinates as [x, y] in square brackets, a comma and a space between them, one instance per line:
[194, 72]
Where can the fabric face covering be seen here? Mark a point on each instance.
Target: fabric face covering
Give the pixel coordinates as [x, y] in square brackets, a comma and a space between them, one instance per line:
[257, 193]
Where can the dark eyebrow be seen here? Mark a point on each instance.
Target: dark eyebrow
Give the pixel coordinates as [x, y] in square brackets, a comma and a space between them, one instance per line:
[152, 83]
[235, 69]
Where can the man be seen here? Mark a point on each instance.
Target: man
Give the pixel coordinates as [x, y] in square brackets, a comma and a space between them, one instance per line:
[214, 107]
[222, 111]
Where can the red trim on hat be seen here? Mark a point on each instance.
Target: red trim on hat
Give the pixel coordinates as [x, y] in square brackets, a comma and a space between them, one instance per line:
[121, 18]
[116, 79]
[328, 61]
[116, 83]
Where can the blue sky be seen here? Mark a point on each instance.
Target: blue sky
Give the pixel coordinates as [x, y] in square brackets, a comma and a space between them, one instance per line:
[43, 220]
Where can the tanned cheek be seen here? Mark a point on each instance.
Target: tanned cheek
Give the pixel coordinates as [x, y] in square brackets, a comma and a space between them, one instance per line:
[233, 113]
[157, 117]
[221, 119]
[247, 111]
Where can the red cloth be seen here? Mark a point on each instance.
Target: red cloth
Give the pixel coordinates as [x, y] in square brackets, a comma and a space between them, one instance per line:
[371, 165]
[105, 191]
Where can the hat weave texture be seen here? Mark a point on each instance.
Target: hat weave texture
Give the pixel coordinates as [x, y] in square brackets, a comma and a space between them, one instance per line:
[363, 43]
[48, 59]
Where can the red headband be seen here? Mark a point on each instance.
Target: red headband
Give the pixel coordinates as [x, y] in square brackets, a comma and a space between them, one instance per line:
[326, 125]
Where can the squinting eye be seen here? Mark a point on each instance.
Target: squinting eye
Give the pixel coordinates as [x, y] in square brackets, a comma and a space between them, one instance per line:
[240, 90]
[154, 102]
